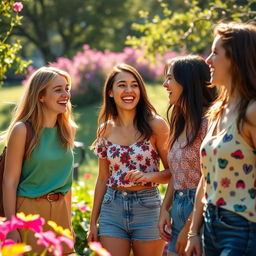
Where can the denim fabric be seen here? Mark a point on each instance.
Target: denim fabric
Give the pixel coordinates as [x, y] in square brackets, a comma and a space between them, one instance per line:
[183, 202]
[227, 233]
[130, 214]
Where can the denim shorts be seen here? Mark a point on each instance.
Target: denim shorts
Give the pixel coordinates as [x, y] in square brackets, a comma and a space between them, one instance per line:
[227, 233]
[182, 206]
[130, 215]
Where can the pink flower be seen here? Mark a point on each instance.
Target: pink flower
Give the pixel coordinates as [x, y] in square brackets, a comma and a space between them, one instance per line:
[32, 222]
[96, 247]
[83, 207]
[17, 6]
[5, 228]
[49, 240]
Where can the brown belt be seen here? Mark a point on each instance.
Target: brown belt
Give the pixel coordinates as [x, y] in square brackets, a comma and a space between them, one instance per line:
[51, 196]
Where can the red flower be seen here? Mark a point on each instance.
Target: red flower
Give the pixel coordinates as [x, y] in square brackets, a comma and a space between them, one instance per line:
[125, 157]
[145, 147]
[139, 157]
[143, 167]
[104, 154]
[113, 149]
[147, 162]
[17, 6]
[154, 154]
[116, 167]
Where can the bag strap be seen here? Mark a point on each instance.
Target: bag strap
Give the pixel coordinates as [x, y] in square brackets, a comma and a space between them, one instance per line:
[29, 136]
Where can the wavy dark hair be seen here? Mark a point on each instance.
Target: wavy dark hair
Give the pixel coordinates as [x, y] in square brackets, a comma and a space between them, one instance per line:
[239, 43]
[144, 109]
[193, 74]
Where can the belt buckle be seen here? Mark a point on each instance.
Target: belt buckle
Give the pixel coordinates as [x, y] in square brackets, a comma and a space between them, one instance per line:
[48, 196]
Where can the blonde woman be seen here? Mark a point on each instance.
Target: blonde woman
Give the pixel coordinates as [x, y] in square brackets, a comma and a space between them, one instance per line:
[41, 183]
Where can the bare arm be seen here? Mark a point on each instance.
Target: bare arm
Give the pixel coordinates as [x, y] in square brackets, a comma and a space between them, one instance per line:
[164, 224]
[194, 244]
[99, 191]
[160, 142]
[12, 172]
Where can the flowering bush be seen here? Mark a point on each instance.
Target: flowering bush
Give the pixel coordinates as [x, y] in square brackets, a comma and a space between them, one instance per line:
[81, 209]
[10, 51]
[89, 68]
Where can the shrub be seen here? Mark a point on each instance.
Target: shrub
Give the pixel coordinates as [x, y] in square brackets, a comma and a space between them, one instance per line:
[89, 68]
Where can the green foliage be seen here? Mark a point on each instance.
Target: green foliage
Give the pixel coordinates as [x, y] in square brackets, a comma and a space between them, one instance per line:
[62, 27]
[9, 52]
[188, 28]
[82, 196]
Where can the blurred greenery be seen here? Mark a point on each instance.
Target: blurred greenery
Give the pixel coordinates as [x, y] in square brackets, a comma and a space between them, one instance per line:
[61, 27]
[9, 52]
[187, 28]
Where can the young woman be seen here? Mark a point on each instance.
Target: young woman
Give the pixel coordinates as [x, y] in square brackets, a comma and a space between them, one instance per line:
[228, 151]
[131, 141]
[187, 80]
[41, 183]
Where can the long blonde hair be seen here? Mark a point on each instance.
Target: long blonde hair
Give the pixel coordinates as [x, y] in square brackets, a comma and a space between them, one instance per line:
[30, 108]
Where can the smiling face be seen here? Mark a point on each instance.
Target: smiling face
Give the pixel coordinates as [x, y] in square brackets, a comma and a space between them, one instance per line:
[173, 88]
[219, 64]
[125, 91]
[56, 96]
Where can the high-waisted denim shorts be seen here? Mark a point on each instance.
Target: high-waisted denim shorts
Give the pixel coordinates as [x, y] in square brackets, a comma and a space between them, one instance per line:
[228, 234]
[130, 214]
[182, 206]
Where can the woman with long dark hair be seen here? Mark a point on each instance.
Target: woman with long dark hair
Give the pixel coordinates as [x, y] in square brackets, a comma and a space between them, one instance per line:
[130, 142]
[187, 80]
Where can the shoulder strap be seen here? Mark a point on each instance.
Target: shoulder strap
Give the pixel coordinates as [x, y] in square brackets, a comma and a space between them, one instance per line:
[29, 135]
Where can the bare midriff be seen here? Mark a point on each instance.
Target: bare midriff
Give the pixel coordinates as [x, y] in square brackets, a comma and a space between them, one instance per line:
[134, 188]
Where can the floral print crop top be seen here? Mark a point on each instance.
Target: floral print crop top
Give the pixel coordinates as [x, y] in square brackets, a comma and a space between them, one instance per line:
[122, 159]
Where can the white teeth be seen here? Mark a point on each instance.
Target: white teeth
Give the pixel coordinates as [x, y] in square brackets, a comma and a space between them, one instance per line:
[62, 102]
[128, 98]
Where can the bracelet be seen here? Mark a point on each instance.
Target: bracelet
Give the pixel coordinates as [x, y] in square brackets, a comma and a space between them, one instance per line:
[192, 234]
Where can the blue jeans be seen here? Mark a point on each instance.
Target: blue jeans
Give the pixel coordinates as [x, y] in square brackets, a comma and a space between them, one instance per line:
[130, 215]
[227, 233]
[182, 206]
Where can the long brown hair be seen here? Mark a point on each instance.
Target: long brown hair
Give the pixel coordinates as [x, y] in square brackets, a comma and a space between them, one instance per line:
[144, 109]
[30, 108]
[239, 42]
[193, 74]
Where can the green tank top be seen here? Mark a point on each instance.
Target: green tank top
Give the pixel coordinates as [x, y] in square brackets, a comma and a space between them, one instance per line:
[49, 169]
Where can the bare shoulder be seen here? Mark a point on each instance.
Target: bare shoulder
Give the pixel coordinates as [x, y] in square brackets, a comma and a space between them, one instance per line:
[105, 128]
[19, 129]
[251, 113]
[18, 134]
[158, 124]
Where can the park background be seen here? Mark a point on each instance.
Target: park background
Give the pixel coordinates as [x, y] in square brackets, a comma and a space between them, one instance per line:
[87, 38]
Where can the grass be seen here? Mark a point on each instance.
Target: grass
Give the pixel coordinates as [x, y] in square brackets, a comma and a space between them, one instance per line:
[86, 118]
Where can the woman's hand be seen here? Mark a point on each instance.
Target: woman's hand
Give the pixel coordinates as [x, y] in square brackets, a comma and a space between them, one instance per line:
[193, 247]
[164, 225]
[182, 240]
[93, 234]
[137, 176]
